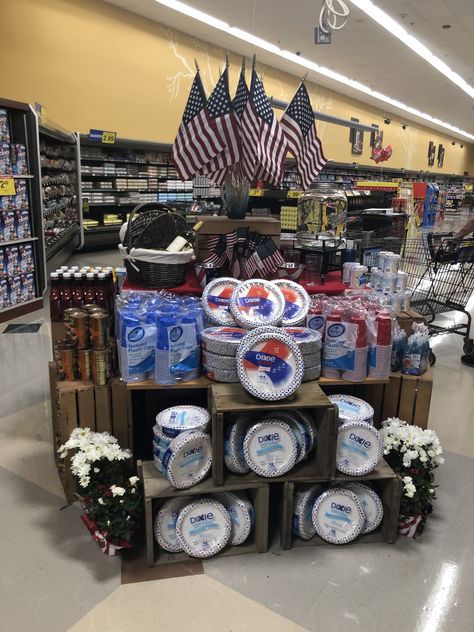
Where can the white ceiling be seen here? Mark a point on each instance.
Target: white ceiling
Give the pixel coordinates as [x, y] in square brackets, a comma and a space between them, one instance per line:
[362, 50]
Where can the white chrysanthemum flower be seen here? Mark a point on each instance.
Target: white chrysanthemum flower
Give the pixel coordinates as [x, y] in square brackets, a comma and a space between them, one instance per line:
[117, 491]
[133, 480]
[101, 501]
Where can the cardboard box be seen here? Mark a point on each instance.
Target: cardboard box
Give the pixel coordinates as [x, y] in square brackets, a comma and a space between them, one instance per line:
[406, 319]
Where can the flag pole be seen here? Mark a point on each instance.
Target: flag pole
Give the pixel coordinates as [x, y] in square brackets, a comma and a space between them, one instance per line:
[197, 65]
[254, 61]
[226, 60]
[304, 78]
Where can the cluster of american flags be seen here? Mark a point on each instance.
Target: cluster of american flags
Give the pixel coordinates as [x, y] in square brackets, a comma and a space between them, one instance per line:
[219, 133]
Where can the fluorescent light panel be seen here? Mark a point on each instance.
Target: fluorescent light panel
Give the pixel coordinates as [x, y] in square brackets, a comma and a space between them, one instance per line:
[397, 30]
[189, 11]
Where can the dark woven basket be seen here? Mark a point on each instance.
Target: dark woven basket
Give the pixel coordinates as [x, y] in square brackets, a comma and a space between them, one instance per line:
[154, 226]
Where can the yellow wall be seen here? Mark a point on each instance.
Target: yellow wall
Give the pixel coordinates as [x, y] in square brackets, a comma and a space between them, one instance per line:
[93, 65]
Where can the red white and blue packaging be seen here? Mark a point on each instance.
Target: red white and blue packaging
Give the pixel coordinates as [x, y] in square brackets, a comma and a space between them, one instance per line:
[257, 302]
[297, 302]
[216, 300]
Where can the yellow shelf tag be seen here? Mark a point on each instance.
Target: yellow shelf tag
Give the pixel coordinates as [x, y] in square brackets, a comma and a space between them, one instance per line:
[108, 138]
[7, 186]
[294, 194]
[256, 192]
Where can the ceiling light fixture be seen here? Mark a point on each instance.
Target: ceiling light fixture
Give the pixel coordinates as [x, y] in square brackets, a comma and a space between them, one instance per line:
[258, 42]
[396, 29]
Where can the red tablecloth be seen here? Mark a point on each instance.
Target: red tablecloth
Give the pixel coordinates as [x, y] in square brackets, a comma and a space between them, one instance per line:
[332, 286]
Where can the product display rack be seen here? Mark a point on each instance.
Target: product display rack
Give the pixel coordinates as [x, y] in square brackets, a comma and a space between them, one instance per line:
[22, 292]
[116, 177]
[60, 178]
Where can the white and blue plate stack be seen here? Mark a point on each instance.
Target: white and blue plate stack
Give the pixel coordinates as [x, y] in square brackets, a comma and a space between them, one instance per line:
[270, 448]
[352, 409]
[257, 302]
[242, 515]
[310, 344]
[165, 524]
[303, 503]
[359, 448]
[234, 435]
[216, 300]
[219, 348]
[371, 504]
[181, 447]
[297, 302]
[338, 516]
[203, 528]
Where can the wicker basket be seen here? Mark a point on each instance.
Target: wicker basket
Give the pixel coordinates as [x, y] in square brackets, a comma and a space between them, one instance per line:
[153, 226]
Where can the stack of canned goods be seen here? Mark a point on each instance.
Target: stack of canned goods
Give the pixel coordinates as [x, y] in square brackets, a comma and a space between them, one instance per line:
[87, 352]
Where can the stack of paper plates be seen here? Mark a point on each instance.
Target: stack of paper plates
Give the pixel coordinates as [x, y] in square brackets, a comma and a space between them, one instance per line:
[297, 302]
[220, 375]
[177, 419]
[257, 302]
[359, 448]
[371, 504]
[338, 516]
[234, 444]
[352, 409]
[270, 448]
[299, 429]
[222, 340]
[203, 528]
[241, 514]
[269, 364]
[165, 524]
[303, 502]
[188, 459]
[216, 300]
[308, 341]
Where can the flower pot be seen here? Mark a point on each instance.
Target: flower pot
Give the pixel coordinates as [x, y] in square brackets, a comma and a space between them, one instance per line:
[411, 526]
[108, 546]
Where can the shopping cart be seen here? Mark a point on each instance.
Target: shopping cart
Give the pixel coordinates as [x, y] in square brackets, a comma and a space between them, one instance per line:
[441, 280]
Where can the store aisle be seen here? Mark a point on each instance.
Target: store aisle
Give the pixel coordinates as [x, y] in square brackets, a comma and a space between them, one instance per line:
[64, 582]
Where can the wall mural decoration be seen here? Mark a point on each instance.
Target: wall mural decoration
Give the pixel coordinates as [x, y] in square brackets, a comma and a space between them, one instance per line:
[407, 138]
[431, 154]
[440, 156]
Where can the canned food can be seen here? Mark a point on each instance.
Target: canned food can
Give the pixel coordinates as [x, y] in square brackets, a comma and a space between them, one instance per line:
[84, 364]
[89, 308]
[68, 314]
[80, 330]
[67, 359]
[99, 367]
[60, 345]
[99, 330]
[113, 357]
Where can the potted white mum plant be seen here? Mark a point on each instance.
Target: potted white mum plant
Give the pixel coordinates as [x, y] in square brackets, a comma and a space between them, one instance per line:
[112, 501]
[414, 453]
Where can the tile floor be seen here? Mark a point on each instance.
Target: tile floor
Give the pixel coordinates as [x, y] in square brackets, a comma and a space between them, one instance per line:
[53, 578]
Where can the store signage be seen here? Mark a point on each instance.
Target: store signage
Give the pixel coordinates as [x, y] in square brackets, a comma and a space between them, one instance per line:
[378, 186]
[256, 192]
[7, 186]
[100, 136]
[294, 194]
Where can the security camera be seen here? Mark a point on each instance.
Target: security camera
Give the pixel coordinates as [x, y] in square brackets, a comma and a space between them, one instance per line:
[387, 121]
[404, 126]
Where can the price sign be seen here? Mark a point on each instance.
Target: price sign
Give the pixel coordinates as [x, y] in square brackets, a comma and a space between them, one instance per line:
[108, 138]
[256, 192]
[85, 206]
[7, 186]
[294, 194]
[100, 136]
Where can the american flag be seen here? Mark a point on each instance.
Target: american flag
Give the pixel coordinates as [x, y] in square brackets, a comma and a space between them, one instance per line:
[220, 109]
[264, 144]
[300, 130]
[198, 140]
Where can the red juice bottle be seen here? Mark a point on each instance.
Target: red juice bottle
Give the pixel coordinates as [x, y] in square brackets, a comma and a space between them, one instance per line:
[77, 291]
[101, 294]
[55, 301]
[89, 291]
[66, 292]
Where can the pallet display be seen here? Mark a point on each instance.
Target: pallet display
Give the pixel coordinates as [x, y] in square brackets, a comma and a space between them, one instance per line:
[83, 405]
[386, 483]
[22, 256]
[231, 398]
[157, 490]
[60, 180]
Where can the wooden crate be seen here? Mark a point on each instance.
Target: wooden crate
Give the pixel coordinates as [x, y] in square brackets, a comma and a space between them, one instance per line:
[157, 490]
[387, 485]
[405, 396]
[406, 320]
[81, 404]
[219, 225]
[226, 399]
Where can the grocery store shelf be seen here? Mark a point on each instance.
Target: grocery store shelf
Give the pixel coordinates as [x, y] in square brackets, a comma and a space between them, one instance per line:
[20, 309]
[121, 191]
[329, 381]
[20, 177]
[14, 242]
[127, 161]
[70, 234]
